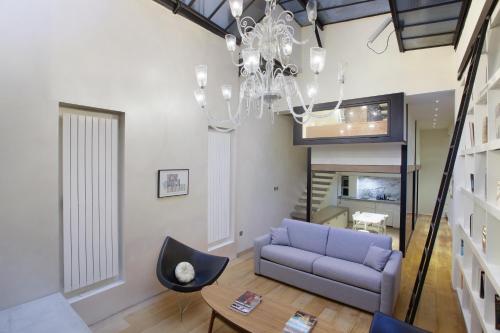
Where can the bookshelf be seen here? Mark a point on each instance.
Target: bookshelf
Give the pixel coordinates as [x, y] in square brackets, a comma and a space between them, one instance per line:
[476, 191]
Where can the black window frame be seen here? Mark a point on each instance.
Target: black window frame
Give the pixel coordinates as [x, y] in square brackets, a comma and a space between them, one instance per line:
[396, 118]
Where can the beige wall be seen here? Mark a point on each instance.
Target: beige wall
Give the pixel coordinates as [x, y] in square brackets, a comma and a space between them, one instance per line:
[434, 145]
[138, 58]
[369, 74]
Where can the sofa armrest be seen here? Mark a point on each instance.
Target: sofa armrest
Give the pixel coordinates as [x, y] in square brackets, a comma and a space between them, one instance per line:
[391, 280]
[258, 244]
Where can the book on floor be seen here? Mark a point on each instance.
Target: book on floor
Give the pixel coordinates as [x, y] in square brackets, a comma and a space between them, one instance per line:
[246, 302]
[300, 322]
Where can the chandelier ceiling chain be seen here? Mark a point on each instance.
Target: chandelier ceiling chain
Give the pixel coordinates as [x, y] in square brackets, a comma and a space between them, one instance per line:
[266, 71]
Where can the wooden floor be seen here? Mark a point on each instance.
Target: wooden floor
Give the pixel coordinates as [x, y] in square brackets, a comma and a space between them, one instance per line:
[438, 311]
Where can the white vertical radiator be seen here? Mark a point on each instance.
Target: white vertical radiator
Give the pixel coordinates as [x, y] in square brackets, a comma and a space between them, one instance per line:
[219, 186]
[90, 198]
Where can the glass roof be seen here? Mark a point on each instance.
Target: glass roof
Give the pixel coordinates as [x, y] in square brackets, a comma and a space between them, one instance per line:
[428, 23]
[329, 11]
[421, 23]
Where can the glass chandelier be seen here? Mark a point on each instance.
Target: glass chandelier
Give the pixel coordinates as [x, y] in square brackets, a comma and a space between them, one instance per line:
[266, 73]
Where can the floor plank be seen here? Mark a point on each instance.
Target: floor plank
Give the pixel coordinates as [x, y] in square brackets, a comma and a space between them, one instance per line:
[438, 312]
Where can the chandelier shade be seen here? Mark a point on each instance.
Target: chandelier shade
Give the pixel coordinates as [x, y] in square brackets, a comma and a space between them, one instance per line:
[266, 71]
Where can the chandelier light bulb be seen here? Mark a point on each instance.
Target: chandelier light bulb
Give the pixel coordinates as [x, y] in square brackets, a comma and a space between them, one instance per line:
[231, 42]
[226, 91]
[251, 59]
[201, 75]
[236, 7]
[201, 99]
[312, 90]
[317, 59]
[312, 12]
[287, 48]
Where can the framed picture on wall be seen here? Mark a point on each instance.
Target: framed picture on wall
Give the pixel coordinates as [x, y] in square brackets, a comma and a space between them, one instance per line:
[173, 182]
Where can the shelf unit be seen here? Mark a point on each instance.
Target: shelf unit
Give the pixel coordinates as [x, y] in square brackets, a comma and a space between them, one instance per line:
[479, 155]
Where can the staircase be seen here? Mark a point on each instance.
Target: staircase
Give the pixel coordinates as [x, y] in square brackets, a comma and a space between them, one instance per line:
[321, 186]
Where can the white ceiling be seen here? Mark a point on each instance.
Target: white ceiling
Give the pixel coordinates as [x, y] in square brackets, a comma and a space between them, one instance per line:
[423, 108]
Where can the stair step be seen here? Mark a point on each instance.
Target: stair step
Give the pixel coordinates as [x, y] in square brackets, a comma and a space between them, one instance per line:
[300, 207]
[324, 175]
[321, 182]
[326, 178]
[313, 201]
[318, 195]
[321, 188]
[298, 215]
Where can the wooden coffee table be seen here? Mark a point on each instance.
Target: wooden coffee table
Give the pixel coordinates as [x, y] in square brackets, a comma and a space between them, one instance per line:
[267, 317]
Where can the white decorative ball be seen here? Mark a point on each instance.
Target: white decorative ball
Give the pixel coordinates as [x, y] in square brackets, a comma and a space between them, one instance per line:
[184, 272]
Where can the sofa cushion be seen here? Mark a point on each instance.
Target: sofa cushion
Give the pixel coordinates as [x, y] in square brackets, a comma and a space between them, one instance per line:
[279, 236]
[351, 273]
[307, 236]
[353, 245]
[290, 257]
[377, 257]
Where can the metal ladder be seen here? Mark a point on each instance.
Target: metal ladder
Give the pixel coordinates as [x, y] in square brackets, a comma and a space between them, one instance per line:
[447, 174]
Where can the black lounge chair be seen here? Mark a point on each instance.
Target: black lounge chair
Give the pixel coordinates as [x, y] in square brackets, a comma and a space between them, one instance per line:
[207, 267]
[383, 323]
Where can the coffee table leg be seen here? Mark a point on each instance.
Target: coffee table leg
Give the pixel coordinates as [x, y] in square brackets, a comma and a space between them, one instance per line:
[212, 318]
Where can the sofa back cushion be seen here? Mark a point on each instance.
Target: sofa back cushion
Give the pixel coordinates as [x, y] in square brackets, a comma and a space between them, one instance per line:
[352, 245]
[307, 236]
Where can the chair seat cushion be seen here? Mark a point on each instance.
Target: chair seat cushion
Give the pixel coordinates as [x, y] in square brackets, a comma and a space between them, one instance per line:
[351, 273]
[290, 257]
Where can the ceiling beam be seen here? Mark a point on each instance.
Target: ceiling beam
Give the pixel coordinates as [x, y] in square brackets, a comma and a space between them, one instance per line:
[319, 22]
[177, 7]
[461, 22]
[395, 21]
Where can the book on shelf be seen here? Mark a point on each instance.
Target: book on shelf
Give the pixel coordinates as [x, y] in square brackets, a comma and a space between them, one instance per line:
[484, 235]
[300, 322]
[471, 134]
[462, 247]
[470, 225]
[481, 285]
[497, 312]
[246, 302]
[485, 130]
[472, 182]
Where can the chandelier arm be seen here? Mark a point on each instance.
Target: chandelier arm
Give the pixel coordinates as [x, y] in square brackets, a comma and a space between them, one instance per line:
[237, 64]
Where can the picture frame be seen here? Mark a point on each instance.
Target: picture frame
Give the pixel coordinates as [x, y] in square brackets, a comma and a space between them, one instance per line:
[172, 182]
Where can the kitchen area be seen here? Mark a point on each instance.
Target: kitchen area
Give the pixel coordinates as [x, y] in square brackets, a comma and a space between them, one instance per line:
[360, 195]
[375, 193]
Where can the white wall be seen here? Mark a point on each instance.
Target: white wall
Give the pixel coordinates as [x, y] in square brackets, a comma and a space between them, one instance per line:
[357, 154]
[266, 160]
[369, 74]
[433, 152]
[138, 58]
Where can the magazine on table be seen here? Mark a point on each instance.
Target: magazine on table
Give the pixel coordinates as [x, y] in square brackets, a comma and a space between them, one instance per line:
[246, 302]
[300, 322]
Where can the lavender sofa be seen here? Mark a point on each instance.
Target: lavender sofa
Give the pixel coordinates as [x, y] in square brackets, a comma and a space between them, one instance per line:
[329, 262]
